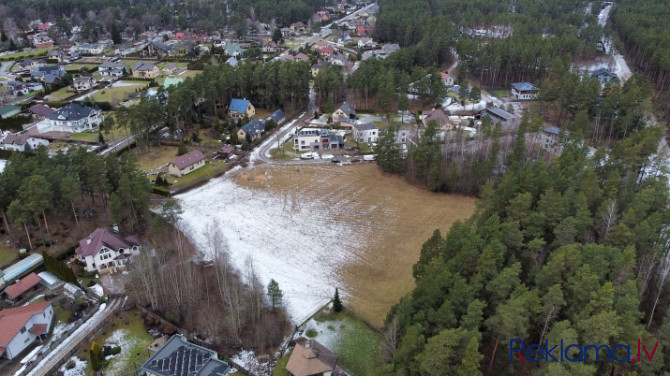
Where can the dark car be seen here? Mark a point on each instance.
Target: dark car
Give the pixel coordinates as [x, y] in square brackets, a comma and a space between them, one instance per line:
[355, 160]
[335, 160]
[349, 148]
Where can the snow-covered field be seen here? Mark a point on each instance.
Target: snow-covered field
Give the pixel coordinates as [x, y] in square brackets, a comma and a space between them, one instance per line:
[79, 368]
[3, 163]
[291, 240]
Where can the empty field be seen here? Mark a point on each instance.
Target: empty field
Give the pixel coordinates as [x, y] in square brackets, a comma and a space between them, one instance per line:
[120, 93]
[314, 228]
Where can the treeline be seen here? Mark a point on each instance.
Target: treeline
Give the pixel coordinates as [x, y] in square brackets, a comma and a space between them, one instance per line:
[228, 307]
[573, 251]
[36, 188]
[646, 41]
[284, 12]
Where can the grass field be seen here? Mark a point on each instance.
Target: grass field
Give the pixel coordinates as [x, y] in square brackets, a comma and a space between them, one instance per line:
[210, 169]
[500, 93]
[85, 136]
[78, 67]
[118, 93]
[280, 368]
[396, 218]
[127, 330]
[156, 157]
[61, 94]
[21, 55]
[7, 255]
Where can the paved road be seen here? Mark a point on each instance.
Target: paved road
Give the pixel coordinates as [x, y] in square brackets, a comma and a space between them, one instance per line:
[45, 367]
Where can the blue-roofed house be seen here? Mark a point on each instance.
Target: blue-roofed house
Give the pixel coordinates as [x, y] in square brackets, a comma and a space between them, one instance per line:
[552, 139]
[524, 90]
[234, 49]
[240, 107]
[48, 74]
[8, 111]
[232, 61]
[278, 116]
[253, 128]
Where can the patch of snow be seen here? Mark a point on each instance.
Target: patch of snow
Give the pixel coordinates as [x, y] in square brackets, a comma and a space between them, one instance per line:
[92, 321]
[248, 360]
[325, 335]
[456, 107]
[122, 338]
[125, 84]
[79, 367]
[31, 355]
[293, 241]
[33, 299]
[3, 163]
[97, 290]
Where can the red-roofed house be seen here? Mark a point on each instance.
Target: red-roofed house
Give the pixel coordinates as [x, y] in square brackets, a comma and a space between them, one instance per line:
[105, 250]
[15, 291]
[186, 163]
[326, 51]
[20, 326]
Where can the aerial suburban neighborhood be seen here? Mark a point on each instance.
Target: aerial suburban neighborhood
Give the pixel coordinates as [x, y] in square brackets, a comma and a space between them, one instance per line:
[343, 188]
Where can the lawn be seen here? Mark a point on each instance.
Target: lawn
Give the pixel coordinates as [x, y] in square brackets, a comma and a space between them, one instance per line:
[354, 343]
[280, 368]
[286, 152]
[61, 94]
[210, 169]
[78, 67]
[88, 136]
[127, 331]
[117, 93]
[130, 63]
[156, 157]
[21, 55]
[500, 93]
[7, 255]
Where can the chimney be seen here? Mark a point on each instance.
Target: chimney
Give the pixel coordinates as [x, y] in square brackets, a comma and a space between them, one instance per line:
[115, 227]
[88, 240]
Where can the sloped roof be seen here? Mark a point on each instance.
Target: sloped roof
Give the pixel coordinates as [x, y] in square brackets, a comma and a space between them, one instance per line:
[302, 56]
[365, 127]
[239, 105]
[13, 319]
[232, 61]
[438, 115]
[38, 329]
[144, 67]
[499, 112]
[71, 112]
[160, 46]
[8, 109]
[309, 357]
[41, 110]
[254, 127]
[188, 159]
[278, 115]
[16, 139]
[178, 357]
[348, 109]
[111, 65]
[524, 86]
[102, 237]
[23, 285]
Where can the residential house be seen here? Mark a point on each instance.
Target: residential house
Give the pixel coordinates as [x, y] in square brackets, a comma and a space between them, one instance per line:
[145, 70]
[269, 47]
[337, 59]
[186, 163]
[15, 291]
[40, 111]
[89, 49]
[278, 116]
[83, 83]
[297, 27]
[363, 30]
[56, 54]
[344, 38]
[346, 110]
[322, 15]
[179, 35]
[326, 51]
[48, 73]
[225, 151]
[8, 111]
[604, 75]
[21, 326]
[366, 42]
[106, 251]
[42, 40]
[302, 57]
[402, 135]
[22, 142]
[307, 139]
[31, 64]
[178, 357]
[240, 107]
[253, 128]
[110, 69]
[388, 49]
[75, 118]
[157, 49]
[437, 115]
[524, 90]
[232, 61]
[447, 78]
[366, 132]
[234, 50]
[507, 121]
[170, 69]
[17, 88]
[310, 358]
[551, 140]
[316, 68]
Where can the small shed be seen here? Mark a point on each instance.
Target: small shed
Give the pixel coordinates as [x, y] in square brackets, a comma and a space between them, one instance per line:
[49, 280]
[73, 291]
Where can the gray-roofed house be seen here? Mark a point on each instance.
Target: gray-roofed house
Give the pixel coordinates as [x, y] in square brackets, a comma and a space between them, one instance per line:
[186, 163]
[75, 118]
[48, 73]
[524, 90]
[170, 69]
[22, 141]
[83, 83]
[145, 70]
[40, 111]
[278, 116]
[178, 357]
[367, 132]
[309, 358]
[158, 49]
[437, 115]
[604, 75]
[253, 128]
[234, 50]
[110, 69]
[551, 139]
[346, 110]
[507, 121]
[105, 250]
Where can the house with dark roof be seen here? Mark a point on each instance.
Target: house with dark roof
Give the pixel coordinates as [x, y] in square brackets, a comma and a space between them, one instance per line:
[48, 73]
[111, 69]
[604, 75]
[253, 128]
[367, 132]
[21, 326]
[83, 82]
[40, 111]
[507, 121]
[524, 90]
[240, 107]
[552, 138]
[145, 70]
[316, 68]
[106, 251]
[170, 69]
[310, 358]
[278, 116]
[26, 284]
[225, 151]
[178, 357]
[75, 118]
[346, 110]
[186, 163]
[158, 49]
[437, 115]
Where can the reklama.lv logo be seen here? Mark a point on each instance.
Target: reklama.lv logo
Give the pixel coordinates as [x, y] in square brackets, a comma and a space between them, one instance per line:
[557, 353]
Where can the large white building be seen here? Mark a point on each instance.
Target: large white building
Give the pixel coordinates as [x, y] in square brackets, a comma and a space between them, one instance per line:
[74, 118]
[105, 250]
[367, 132]
[21, 326]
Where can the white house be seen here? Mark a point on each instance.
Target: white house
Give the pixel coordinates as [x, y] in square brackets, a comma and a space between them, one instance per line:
[110, 69]
[20, 326]
[367, 132]
[186, 163]
[308, 139]
[402, 135]
[83, 83]
[106, 251]
[22, 142]
[524, 90]
[75, 118]
[346, 111]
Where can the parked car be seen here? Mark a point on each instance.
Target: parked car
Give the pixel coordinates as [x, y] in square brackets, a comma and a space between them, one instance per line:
[349, 148]
[355, 160]
[335, 160]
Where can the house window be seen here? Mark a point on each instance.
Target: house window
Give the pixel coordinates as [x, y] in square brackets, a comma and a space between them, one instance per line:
[23, 330]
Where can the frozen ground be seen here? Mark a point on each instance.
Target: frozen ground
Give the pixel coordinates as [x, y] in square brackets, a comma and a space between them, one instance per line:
[79, 368]
[290, 239]
[3, 163]
[126, 84]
